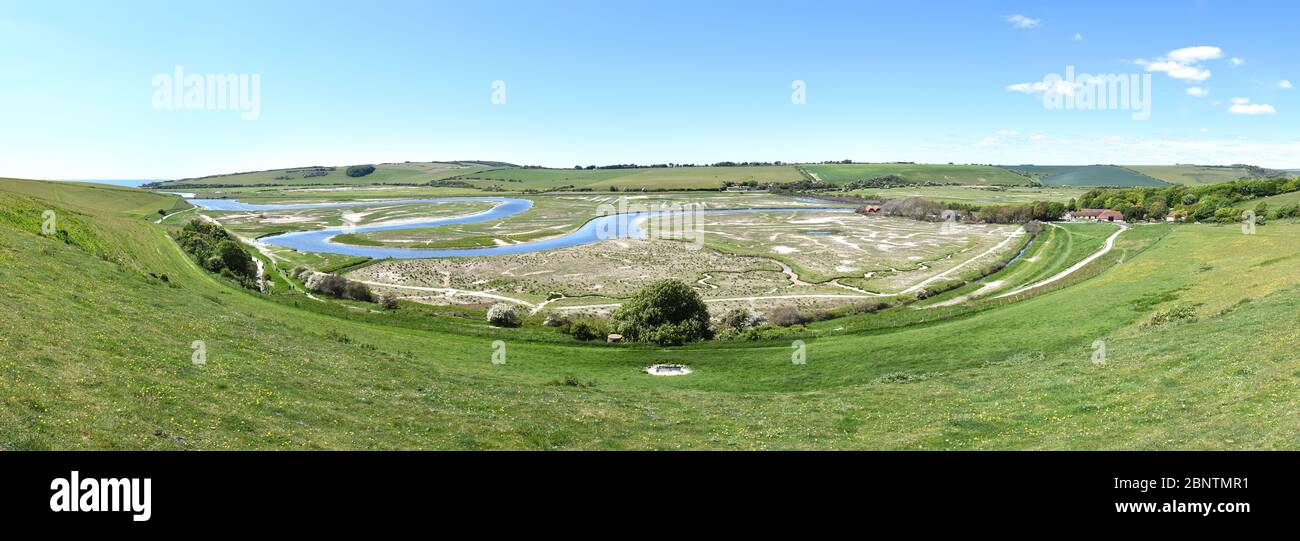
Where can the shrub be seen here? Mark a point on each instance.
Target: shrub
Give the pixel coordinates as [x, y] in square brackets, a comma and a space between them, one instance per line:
[357, 291]
[236, 259]
[869, 307]
[667, 312]
[786, 316]
[737, 319]
[1172, 315]
[388, 301]
[216, 250]
[586, 329]
[503, 315]
[326, 284]
[360, 170]
[556, 319]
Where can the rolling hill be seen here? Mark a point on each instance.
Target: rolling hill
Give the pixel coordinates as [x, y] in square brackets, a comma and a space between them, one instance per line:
[386, 173]
[973, 175]
[1087, 175]
[661, 178]
[1193, 175]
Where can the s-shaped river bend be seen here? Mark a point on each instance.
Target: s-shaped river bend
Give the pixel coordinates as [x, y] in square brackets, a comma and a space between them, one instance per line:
[595, 230]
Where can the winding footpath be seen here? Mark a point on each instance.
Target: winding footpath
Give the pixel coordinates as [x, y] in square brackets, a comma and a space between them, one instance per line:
[1105, 249]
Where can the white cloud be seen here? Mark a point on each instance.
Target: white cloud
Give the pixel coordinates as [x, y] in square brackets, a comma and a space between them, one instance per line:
[1192, 55]
[1185, 63]
[1078, 36]
[987, 142]
[1203, 130]
[1285, 84]
[1177, 70]
[1252, 109]
[1197, 91]
[1009, 133]
[1040, 87]
[1021, 21]
[1237, 61]
[1038, 137]
[1240, 101]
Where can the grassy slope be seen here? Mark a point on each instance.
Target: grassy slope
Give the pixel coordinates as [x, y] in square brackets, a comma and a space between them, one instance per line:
[1274, 201]
[650, 178]
[1087, 175]
[82, 196]
[388, 173]
[1191, 175]
[96, 355]
[977, 196]
[977, 175]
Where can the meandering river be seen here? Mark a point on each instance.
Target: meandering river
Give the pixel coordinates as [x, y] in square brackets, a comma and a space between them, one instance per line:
[595, 230]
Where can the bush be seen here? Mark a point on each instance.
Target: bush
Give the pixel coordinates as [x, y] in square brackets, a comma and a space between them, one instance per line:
[326, 284]
[357, 291]
[216, 250]
[667, 312]
[1172, 315]
[360, 170]
[868, 307]
[388, 301]
[786, 316]
[737, 319]
[555, 319]
[236, 259]
[586, 329]
[503, 315]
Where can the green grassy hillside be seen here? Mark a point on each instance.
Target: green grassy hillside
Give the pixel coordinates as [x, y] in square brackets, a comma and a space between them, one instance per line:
[83, 196]
[387, 173]
[975, 175]
[1087, 175]
[1192, 175]
[96, 354]
[631, 179]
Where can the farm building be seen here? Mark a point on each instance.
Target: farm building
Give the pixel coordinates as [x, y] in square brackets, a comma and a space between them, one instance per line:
[1097, 215]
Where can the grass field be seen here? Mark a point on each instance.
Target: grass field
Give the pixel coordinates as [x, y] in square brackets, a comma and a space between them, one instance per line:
[1275, 201]
[1192, 175]
[96, 354]
[387, 173]
[975, 175]
[660, 178]
[97, 197]
[977, 196]
[1087, 175]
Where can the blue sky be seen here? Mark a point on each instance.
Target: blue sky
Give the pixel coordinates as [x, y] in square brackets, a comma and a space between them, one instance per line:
[617, 81]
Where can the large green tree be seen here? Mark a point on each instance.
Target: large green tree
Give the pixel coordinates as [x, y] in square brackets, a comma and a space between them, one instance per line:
[667, 312]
